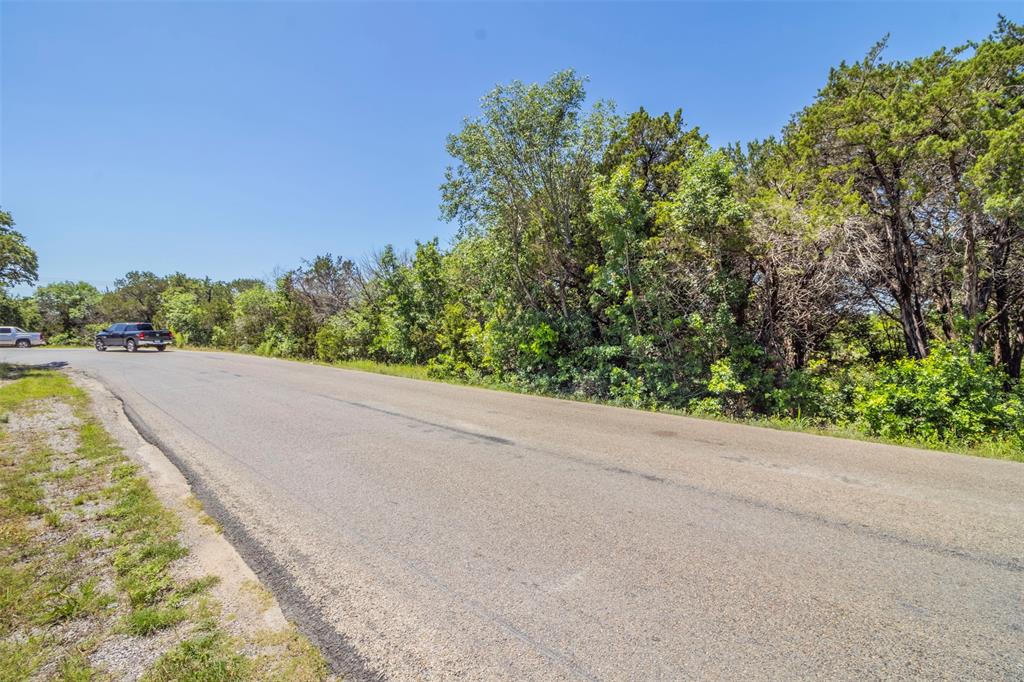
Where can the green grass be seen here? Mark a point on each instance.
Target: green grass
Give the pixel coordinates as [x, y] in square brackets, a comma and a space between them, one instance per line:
[19, 659]
[209, 657]
[85, 600]
[75, 668]
[405, 371]
[36, 592]
[146, 620]
[303, 663]
[30, 383]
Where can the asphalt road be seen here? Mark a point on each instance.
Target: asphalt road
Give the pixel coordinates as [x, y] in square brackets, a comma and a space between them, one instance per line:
[424, 531]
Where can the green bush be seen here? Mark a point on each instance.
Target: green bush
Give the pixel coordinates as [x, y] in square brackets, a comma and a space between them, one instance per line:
[222, 337]
[818, 394]
[334, 340]
[184, 317]
[952, 397]
[71, 338]
[460, 339]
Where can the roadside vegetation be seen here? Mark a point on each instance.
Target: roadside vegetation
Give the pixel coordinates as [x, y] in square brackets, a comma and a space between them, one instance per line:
[88, 587]
[862, 273]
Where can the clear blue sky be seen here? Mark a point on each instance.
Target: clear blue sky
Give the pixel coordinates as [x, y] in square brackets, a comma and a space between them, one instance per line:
[230, 139]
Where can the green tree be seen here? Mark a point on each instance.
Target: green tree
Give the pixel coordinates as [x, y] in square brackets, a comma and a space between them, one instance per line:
[255, 319]
[315, 292]
[523, 170]
[859, 143]
[135, 297]
[19, 311]
[18, 263]
[66, 308]
[181, 312]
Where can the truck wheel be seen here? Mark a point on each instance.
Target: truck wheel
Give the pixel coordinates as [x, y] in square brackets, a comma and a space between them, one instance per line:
[100, 346]
[129, 346]
[161, 348]
[23, 343]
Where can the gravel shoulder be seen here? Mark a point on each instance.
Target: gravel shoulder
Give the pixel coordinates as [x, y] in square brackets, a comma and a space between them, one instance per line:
[109, 567]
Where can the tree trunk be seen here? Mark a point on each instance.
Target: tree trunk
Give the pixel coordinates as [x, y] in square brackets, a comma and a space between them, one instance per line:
[903, 290]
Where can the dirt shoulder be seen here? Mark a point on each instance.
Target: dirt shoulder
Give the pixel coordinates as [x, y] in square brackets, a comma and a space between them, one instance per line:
[109, 568]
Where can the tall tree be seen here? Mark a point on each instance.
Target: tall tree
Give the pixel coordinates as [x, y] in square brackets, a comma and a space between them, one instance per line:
[18, 263]
[858, 143]
[326, 285]
[67, 307]
[136, 296]
[524, 167]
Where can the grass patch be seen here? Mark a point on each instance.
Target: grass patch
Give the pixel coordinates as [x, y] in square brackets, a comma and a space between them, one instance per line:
[146, 620]
[20, 659]
[405, 371]
[196, 505]
[197, 586]
[86, 600]
[53, 519]
[303, 662]
[210, 657]
[261, 594]
[76, 668]
[29, 384]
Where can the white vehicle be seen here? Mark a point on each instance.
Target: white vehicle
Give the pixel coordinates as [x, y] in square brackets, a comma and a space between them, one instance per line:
[19, 338]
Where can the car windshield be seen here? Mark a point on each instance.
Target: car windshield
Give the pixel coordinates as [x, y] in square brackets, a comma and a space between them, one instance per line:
[20, 330]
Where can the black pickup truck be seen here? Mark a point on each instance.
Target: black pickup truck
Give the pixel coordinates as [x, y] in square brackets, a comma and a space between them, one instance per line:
[132, 336]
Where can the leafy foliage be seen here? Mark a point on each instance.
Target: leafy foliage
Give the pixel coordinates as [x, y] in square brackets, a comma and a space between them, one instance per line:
[952, 397]
[18, 263]
[66, 308]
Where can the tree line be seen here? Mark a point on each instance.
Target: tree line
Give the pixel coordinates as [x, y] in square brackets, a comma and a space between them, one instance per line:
[864, 268]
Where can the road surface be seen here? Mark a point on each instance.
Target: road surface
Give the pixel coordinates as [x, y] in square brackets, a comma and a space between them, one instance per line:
[422, 531]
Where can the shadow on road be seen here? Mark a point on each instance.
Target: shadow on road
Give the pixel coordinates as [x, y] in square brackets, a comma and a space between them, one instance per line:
[11, 372]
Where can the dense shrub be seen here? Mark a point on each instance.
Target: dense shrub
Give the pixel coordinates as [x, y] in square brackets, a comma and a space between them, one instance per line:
[335, 340]
[952, 397]
[255, 318]
[181, 313]
[68, 339]
[819, 394]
